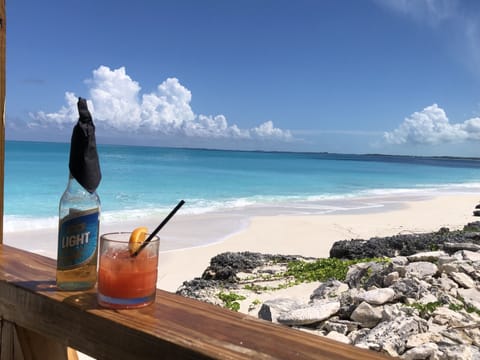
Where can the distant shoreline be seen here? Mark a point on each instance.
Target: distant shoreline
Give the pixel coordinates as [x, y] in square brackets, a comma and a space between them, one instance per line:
[357, 156]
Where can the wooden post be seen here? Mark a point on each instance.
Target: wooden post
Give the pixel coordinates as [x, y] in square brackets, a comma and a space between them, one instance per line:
[3, 39]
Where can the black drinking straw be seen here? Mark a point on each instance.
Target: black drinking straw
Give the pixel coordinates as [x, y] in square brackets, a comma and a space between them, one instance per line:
[159, 227]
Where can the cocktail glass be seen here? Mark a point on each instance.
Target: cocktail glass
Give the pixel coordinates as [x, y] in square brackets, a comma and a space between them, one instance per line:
[124, 281]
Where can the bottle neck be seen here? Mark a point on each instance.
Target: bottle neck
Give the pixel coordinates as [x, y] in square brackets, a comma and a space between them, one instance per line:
[74, 186]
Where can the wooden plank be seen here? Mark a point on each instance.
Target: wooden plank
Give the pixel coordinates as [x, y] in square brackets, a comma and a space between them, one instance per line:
[3, 40]
[30, 345]
[8, 341]
[174, 327]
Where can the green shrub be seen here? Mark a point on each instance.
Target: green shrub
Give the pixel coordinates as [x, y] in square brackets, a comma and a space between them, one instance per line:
[426, 309]
[324, 269]
[230, 300]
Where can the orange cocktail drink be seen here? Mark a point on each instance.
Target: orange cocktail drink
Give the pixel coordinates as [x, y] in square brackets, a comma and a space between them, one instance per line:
[126, 281]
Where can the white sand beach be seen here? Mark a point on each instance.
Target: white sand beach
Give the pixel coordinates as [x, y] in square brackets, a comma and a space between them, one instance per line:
[308, 235]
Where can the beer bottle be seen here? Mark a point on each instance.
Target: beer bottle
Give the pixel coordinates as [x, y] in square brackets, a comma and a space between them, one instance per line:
[79, 210]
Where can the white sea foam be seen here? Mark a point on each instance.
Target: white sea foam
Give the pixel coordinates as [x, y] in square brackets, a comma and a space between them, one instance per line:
[14, 223]
[289, 204]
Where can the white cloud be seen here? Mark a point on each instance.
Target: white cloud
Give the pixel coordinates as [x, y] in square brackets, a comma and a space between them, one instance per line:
[66, 115]
[457, 21]
[268, 130]
[116, 102]
[115, 98]
[431, 126]
[430, 11]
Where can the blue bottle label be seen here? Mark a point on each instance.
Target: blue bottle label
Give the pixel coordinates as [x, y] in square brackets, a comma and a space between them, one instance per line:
[77, 239]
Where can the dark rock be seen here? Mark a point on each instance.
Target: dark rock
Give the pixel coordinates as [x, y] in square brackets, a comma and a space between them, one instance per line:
[326, 290]
[369, 274]
[472, 227]
[348, 303]
[225, 266]
[189, 288]
[404, 244]
[408, 288]
[203, 290]
[473, 235]
[454, 247]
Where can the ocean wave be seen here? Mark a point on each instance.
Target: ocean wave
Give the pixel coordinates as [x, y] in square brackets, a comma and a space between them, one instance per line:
[259, 204]
[14, 223]
[457, 186]
[421, 189]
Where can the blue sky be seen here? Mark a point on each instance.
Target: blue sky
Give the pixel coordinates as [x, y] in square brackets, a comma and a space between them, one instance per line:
[348, 76]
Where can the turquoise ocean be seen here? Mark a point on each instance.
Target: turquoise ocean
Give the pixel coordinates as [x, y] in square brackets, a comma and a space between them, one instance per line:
[149, 181]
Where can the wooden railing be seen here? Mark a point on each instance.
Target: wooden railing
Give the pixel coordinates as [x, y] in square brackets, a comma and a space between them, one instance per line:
[173, 327]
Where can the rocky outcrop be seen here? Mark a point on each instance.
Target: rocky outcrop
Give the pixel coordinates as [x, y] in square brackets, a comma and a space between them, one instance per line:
[420, 305]
[406, 244]
[420, 315]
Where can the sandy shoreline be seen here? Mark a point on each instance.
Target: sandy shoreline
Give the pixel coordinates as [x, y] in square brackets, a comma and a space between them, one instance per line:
[313, 235]
[308, 235]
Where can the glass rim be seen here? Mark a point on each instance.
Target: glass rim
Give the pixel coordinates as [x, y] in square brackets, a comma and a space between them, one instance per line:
[155, 239]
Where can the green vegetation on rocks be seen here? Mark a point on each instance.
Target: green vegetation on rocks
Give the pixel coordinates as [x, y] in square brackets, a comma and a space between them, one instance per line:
[324, 269]
[231, 300]
[301, 271]
[426, 309]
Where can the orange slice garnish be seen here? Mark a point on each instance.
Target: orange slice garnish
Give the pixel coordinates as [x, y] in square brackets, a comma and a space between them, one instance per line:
[137, 237]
